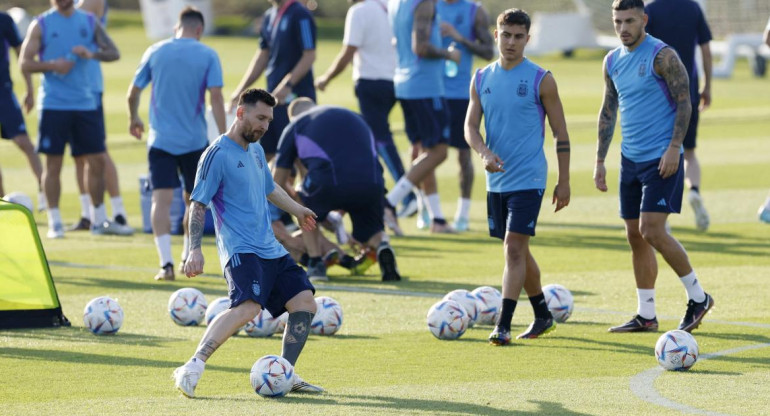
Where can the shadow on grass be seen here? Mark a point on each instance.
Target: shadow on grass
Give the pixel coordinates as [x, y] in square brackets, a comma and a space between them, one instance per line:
[213, 287]
[35, 354]
[398, 405]
[75, 334]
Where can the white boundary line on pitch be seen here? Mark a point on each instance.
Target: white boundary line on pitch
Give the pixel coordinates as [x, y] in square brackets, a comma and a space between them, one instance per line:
[355, 289]
[643, 384]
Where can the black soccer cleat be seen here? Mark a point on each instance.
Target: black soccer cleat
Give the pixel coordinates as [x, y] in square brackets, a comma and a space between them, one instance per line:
[386, 258]
[500, 337]
[538, 327]
[637, 324]
[695, 313]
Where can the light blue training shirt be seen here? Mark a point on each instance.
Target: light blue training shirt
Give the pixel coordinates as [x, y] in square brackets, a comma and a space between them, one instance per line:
[181, 70]
[514, 119]
[235, 183]
[647, 111]
[94, 66]
[462, 15]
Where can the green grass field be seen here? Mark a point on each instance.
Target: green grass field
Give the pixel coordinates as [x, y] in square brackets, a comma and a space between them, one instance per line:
[384, 360]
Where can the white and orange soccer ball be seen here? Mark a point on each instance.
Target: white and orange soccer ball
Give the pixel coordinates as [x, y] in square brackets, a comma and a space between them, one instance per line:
[328, 316]
[187, 306]
[272, 376]
[676, 350]
[216, 307]
[560, 301]
[490, 304]
[468, 301]
[263, 325]
[103, 316]
[447, 320]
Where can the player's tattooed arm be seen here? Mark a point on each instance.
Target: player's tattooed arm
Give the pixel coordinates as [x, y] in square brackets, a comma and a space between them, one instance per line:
[108, 51]
[424, 18]
[197, 220]
[484, 44]
[670, 67]
[608, 115]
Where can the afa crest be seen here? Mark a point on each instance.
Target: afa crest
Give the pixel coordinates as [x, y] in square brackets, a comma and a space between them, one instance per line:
[642, 69]
[522, 90]
[258, 159]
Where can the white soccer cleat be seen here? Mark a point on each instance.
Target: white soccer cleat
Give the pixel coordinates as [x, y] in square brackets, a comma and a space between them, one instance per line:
[423, 220]
[764, 214]
[409, 209]
[302, 386]
[111, 228]
[701, 216]
[185, 380]
[460, 224]
[56, 231]
[335, 219]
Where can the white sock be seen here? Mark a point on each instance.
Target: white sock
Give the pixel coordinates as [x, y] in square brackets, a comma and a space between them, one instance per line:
[693, 288]
[85, 205]
[185, 247]
[646, 303]
[400, 190]
[434, 207]
[421, 200]
[163, 244]
[54, 217]
[196, 364]
[117, 206]
[98, 214]
[463, 208]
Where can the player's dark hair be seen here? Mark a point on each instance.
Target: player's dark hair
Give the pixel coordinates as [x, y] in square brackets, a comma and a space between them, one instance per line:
[514, 17]
[627, 4]
[190, 15]
[254, 95]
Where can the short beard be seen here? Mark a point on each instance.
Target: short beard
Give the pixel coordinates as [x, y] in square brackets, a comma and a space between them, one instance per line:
[252, 136]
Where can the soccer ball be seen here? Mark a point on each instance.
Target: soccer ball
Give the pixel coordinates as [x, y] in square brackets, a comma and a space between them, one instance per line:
[676, 350]
[447, 320]
[559, 301]
[281, 324]
[21, 199]
[328, 317]
[490, 304]
[103, 316]
[263, 325]
[271, 376]
[187, 306]
[218, 306]
[468, 301]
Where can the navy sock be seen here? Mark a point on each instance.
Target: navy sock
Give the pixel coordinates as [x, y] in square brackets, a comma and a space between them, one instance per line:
[539, 306]
[506, 315]
[695, 189]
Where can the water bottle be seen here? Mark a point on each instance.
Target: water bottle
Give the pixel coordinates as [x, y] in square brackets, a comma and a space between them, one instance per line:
[450, 66]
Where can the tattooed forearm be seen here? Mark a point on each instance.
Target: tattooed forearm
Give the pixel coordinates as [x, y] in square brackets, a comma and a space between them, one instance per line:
[197, 219]
[484, 45]
[107, 52]
[421, 29]
[670, 67]
[608, 115]
[206, 349]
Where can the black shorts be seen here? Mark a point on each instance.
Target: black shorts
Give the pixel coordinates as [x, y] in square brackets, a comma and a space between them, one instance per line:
[11, 119]
[457, 110]
[363, 202]
[513, 211]
[82, 129]
[426, 121]
[269, 282]
[642, 189]
[165, 169]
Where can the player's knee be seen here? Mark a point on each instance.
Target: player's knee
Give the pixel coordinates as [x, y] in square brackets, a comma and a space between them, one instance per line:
[246, 311]
[651, 232]
[438, 153]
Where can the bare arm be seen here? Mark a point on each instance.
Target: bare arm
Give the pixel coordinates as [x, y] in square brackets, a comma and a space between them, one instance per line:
[93, 6]
[424, 15]
[705, 95]
[608, 115]
[256, 68]
[342, 60]
[136, 126]
[194, 264]
[29, 97]
[282, 200]
[492, 163]
[281, 177]
[30, 50]
[218, 108]
[107, 52]
[299, 71]
[483, 45]
[668, 66]
[549, 96]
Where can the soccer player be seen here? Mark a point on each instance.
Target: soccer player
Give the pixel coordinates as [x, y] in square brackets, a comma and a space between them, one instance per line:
[336, 148]
[367, 43]
[419, 85]
[234, 178]
[648, 82]
[680, 24]
[466, 24]
[59, 44]
[180, 69]
[12, 126]
[514, 95]
[99, 9]
[286, 55]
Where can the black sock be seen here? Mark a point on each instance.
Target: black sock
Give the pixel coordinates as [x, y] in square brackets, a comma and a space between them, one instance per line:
[304, 259]
[539, 306]
[504, 320]
[295, 335]
[695, 189]
[347, 261]
[439, 221]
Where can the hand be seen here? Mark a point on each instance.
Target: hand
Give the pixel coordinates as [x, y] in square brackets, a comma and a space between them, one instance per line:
[194, 264]
[669, 163]
[280, 93]
[705, 99]
[454, 54]
[29, 101]
[61, 66]
[561, 194]
[136, 128]
[82, 52]
[600, 177]
[449, 30]
[492, 162]
[321, 82]
[306, 218]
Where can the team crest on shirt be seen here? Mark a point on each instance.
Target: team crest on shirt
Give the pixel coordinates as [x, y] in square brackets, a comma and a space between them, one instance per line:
[642, 68]
[258, 159]
[522, 90]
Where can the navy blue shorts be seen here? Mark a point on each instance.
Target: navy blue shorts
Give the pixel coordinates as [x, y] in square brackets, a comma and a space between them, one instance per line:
[269, 282]
[165, 169]
[82, 129]
[426, 121]
[692, 129]
[516, 212]
[11, 119]
[269, 141]
[643, 190]
[457, 110]
[363, 202]
[375, 99]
